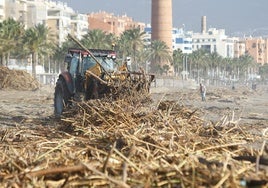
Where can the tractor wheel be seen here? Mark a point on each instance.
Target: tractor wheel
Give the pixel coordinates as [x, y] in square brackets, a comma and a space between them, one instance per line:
[61, 97]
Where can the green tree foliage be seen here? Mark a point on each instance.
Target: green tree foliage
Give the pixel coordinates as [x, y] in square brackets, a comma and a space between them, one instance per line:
[177, 60]
[158, 53]
[131, 44]
[98, 39]
[11, 32]
[36, 41]
[263, 70]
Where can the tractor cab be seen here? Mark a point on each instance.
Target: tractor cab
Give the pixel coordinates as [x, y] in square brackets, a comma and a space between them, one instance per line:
[79, 61]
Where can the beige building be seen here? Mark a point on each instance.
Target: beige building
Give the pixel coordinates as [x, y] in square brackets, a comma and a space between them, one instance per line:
[16, 9]
[110, 23]
[257, 48]
[239, 48]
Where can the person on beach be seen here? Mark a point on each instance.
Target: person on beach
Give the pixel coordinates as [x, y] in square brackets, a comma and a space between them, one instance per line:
[203, 92]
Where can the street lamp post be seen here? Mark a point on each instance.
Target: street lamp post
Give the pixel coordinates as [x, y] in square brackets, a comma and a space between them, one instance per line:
[185, 67]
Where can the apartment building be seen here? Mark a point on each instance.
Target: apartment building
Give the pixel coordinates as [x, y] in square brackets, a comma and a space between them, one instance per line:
[239, 48]
[28, 12]
[59, 20]
[57, 16]
[110, 23]
[257, 48]
[79, 25]
[36, 12]
[16, 9]
[182, 40]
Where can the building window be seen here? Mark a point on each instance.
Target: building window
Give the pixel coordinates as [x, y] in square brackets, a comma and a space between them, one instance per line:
[254, 45]
[179, 40]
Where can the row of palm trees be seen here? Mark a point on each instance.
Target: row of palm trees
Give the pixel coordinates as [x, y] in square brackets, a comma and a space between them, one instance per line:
[37, 43]
[212, 66]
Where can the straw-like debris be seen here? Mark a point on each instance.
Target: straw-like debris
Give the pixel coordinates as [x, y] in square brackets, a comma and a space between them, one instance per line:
[17, 79]
[102, 143]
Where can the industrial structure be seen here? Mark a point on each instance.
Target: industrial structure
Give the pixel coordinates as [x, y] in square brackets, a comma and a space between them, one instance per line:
[203, 24]
[161, 21]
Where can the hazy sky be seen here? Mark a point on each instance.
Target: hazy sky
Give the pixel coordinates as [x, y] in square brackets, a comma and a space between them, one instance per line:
[235, 16]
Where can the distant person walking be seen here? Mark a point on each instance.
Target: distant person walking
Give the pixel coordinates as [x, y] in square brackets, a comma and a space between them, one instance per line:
[203, 91]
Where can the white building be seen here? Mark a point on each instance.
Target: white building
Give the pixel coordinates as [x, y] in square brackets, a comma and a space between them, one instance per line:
[181, 40]
[214, 41]
[63, 21]
[59, 20]
[36, 13]
[79, 24]
[16, 9]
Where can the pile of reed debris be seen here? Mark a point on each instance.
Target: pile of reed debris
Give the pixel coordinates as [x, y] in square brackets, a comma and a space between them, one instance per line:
[102, 143]
[17, 79]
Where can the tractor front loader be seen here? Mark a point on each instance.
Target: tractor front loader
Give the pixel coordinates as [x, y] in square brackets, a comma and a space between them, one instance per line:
[94, 74]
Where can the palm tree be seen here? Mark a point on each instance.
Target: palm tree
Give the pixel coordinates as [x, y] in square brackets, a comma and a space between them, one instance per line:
[227, 67]
[177, 60]
[198, 60]
[132, 43]
[123, 47]
[97, 39]
[142, 58]
[263, 70]
[36, 40]
[214, 62]
[10, 35]
[159, 52]
[246, 64]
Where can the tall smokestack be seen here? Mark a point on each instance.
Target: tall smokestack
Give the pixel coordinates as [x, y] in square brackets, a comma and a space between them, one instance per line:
[162, 22]
[204, 24]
